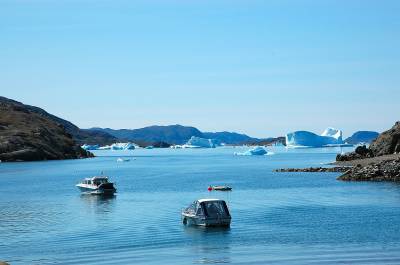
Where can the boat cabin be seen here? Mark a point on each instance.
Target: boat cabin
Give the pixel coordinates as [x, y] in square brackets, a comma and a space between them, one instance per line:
[208, 209]
[95, 181]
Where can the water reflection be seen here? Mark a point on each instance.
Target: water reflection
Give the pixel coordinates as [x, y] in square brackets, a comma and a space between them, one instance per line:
[210, 245]
[99, 204]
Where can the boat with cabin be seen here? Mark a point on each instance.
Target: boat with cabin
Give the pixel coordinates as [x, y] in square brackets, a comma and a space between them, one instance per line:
[97, 185]
[207, 212]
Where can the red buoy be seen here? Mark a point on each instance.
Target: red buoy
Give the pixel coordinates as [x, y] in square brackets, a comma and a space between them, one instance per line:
[209, 188]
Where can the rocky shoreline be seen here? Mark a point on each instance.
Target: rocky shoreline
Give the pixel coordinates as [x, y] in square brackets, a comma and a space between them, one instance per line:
[315, 169]
[388, 170]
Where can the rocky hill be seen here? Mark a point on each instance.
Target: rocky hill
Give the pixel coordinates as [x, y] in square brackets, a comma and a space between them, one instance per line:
[29, 133]
[79, 135]
[388, 142]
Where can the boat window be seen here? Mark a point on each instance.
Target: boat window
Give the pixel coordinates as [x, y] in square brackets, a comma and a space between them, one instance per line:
[199, 210]
[216, 209]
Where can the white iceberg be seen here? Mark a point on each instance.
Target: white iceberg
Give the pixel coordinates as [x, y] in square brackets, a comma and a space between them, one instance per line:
[90, 146]
[197, 142]
[123, 159]
[123, 146]
[330, 137]
[256, 151]
[118, 146]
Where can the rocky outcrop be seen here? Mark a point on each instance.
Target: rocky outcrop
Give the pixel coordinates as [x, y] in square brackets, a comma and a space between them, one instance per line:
[388, 142]
[360, 153]
[28, 135]
[383, 171]
[379, 162]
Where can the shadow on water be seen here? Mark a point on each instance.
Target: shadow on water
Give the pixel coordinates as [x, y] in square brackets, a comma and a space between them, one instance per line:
[210, 245]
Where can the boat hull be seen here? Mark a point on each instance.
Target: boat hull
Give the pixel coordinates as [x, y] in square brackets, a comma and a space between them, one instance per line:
[204, 221]
[96, 191]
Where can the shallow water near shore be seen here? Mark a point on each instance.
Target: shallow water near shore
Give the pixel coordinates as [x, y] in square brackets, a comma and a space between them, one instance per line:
[278, 218]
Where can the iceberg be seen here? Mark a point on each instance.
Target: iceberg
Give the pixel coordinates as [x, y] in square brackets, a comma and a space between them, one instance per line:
[118, 146]
[90, 147]
[122, 146]
[329, 137]
[197, 142]
[256, 151]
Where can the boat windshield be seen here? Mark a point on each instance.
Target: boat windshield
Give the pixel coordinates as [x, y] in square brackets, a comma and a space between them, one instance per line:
[215, 209]
[191, 209]
[99, 181]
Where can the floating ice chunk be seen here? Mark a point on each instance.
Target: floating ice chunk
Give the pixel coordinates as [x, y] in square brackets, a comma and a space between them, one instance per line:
[256, 151]
[330, 137]
[123, 146]
[90, 147]
[123, 159]
[118, 146]
[197, 142]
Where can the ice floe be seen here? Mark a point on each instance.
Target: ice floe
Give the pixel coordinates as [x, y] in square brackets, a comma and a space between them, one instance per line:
[90, 146]
[256, 151]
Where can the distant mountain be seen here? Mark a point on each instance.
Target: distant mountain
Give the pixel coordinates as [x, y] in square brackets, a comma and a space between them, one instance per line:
[173, 134]
[268, 141]
[362, 137]
[28, 133]
[229, 137]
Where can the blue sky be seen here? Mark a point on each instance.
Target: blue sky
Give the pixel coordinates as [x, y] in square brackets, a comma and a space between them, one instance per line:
[258, 67]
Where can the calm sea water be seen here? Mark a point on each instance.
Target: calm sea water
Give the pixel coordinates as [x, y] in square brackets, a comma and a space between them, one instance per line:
[278, 218]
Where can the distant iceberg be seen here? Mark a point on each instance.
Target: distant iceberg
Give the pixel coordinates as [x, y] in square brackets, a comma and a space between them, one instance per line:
[256, 151]
[197, 142]
[122, 146]
[330, 137]
[90, 147]
[118, 146]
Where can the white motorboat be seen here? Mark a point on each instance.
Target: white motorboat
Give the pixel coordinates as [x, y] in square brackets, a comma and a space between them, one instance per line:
[97, 185]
